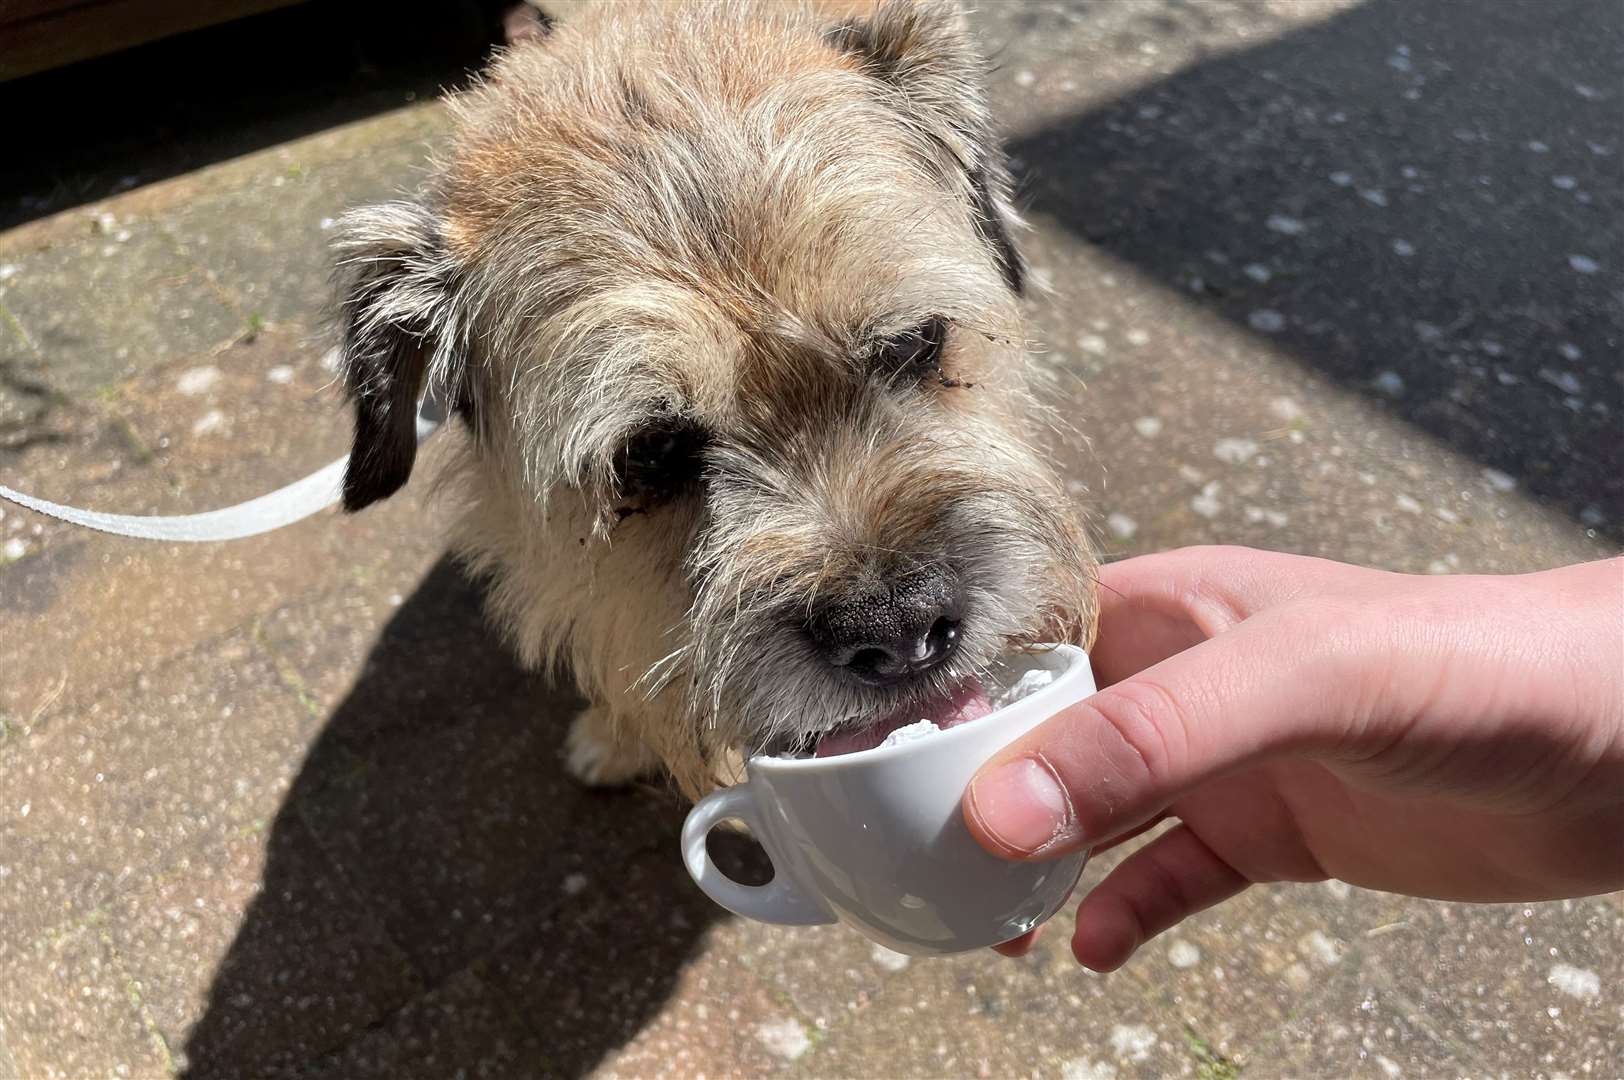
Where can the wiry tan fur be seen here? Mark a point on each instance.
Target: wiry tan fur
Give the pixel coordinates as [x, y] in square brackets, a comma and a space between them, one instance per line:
[712, 211]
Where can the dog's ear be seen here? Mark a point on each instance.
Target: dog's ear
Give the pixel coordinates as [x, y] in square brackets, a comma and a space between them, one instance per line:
[392, 280]
[923, 50]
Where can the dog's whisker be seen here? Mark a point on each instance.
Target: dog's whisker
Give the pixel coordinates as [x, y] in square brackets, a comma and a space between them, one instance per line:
[660, 674]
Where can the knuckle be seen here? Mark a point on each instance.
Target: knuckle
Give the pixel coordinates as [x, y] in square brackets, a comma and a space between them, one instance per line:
[1222, 586]
[1147, 719]
[1172, 899]
[1337, 636]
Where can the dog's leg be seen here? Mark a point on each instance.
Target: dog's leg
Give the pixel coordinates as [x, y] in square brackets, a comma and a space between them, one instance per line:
[600, 752]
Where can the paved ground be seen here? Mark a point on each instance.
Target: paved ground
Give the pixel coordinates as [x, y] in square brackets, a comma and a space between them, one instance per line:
[1338, 277]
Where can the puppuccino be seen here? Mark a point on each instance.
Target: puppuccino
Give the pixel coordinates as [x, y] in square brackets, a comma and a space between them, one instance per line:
[865, 827]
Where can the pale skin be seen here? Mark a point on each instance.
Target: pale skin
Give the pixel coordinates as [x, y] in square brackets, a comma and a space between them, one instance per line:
[1459, 738]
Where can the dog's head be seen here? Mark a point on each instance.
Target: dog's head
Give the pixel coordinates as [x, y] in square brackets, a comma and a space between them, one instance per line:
[728, 298]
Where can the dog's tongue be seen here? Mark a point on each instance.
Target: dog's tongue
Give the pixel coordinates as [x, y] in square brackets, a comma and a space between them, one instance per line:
[967, 702]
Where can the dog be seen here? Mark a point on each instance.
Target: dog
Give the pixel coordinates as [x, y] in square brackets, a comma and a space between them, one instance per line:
[726, 297]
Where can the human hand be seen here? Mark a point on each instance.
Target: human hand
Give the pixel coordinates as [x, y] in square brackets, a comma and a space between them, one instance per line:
[1458, 738]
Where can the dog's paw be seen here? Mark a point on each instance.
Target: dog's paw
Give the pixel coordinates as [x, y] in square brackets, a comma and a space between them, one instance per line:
[597, 759]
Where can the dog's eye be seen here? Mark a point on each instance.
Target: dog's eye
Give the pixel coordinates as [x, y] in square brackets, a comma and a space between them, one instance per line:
[916, 351]
[659, 461]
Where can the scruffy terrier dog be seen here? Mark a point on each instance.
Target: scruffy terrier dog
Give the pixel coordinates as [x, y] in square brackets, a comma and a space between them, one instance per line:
[726, 297]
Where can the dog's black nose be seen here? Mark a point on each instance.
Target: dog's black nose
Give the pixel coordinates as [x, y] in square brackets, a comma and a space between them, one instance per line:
[884, 638]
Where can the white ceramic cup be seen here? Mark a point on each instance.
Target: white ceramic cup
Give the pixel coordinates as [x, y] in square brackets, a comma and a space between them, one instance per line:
[876, 839]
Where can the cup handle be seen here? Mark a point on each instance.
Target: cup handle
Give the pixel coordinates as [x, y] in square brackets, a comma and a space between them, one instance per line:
[779, 901]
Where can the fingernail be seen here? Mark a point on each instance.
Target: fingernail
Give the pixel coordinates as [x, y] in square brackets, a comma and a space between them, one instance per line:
[1022, 806]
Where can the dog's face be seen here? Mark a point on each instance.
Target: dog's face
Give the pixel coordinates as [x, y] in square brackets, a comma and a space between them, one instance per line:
[727, 297]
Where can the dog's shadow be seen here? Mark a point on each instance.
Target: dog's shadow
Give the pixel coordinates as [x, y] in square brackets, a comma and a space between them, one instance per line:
[439, 897]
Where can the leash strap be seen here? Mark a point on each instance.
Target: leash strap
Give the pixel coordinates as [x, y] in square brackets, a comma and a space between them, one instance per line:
[283, 506]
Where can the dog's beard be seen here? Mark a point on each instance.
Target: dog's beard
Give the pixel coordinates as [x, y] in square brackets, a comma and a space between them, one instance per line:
[755, 683]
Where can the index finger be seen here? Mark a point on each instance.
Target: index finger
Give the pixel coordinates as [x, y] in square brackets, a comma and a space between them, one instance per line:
[1154, 606]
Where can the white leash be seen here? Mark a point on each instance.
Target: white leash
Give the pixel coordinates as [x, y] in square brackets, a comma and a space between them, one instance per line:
[283, 506]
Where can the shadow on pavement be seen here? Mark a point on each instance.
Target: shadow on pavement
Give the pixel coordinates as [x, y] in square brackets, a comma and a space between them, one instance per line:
[440, 897]
[92, 129]
[1422, 199]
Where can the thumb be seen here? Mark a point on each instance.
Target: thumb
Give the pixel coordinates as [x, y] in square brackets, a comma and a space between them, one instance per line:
[1113, 762]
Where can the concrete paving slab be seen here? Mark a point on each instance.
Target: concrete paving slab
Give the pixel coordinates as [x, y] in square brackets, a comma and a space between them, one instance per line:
[87, 311]
[187, 266]
[323, 642]
[1357, 1030]
[836, 978]
[831, 975]
[1395, 196]
[1537, 983]
[608, 963]
[1198, 430]
[1276, 977]
[1234, 977]
[438, 788]
[226, 990]
[177, 765]
[717, 1020]
[990, 1017]
[278, 266]
[460, 1027]
[72, 1012]
[453, 879]
[446, 802]
[200, 434]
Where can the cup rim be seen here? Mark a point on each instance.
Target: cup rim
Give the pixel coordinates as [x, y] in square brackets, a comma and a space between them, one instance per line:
[1076, 660]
